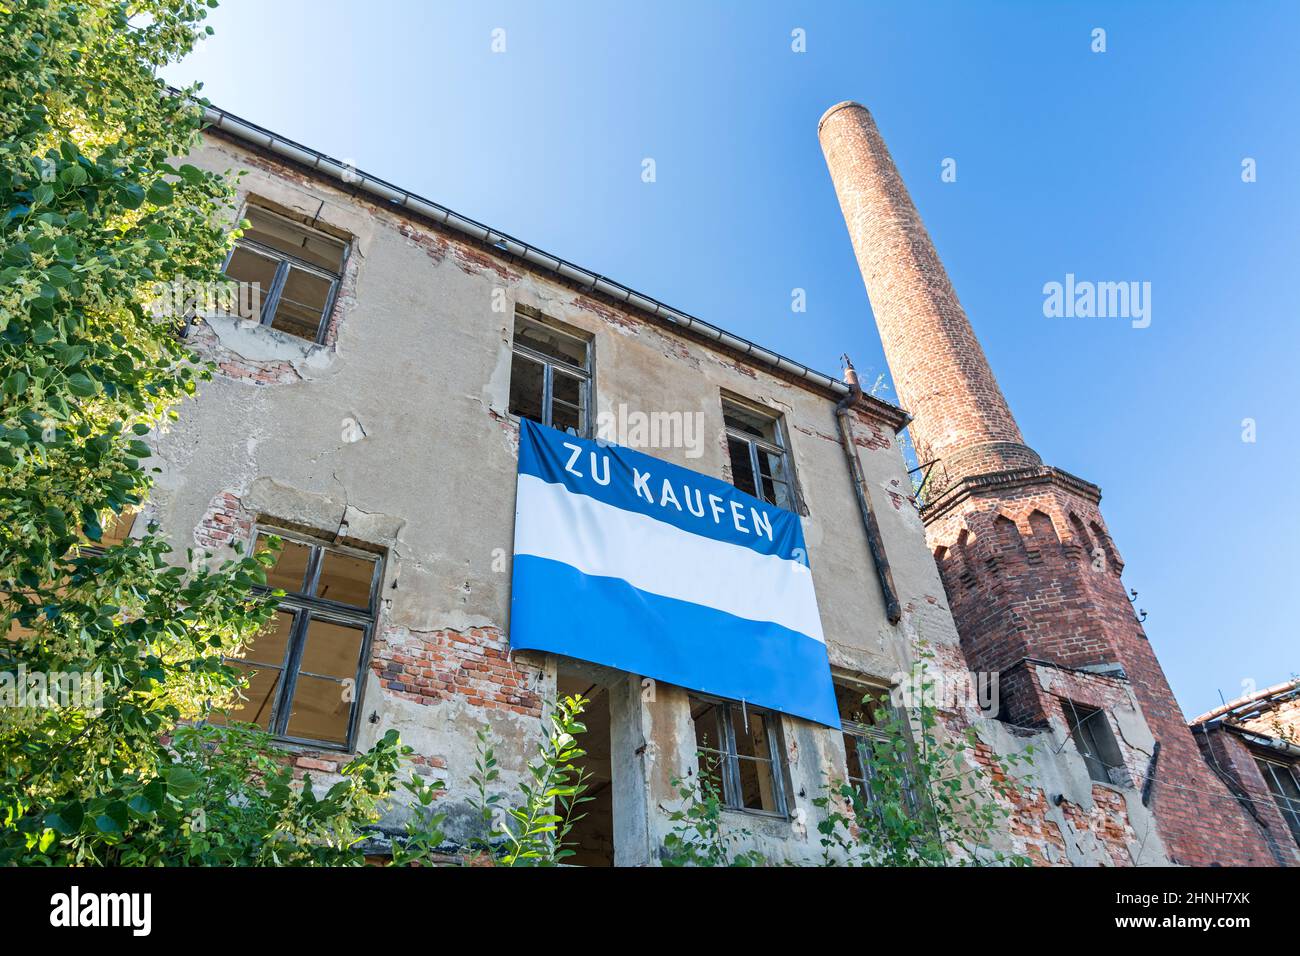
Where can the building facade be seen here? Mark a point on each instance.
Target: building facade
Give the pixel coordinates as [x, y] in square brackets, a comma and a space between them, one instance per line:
[367, 409]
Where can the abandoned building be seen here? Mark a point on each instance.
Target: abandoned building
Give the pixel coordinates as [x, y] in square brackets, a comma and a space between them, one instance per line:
[369, 413]
[1253, 743]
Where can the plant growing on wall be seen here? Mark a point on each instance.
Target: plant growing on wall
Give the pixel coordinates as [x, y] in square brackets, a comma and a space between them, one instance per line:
[927, 801]
[536, 829]
[699, 836]
[485, 801]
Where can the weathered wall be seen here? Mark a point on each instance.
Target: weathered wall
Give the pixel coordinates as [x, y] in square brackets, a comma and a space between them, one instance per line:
[418, 355]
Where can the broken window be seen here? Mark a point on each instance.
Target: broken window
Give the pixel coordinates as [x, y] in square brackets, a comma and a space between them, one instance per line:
[550, 377]
[1096, 744]
[740, 752]
[759, 464]
[295, 269]
[861, 715]
[1285, 788]
[305, 669]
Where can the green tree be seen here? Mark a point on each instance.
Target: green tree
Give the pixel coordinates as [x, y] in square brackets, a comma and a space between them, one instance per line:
[95, 218]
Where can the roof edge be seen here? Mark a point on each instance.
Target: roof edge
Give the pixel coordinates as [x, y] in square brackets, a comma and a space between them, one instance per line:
[503, 243]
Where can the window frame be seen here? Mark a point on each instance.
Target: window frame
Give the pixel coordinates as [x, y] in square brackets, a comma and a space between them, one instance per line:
[306, 608]
[729, 761]
[781, 448]
[1288, 806]
[286, 261]
[864, 737]
[585, 375]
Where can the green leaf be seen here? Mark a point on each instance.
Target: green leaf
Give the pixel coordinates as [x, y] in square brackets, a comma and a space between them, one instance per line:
[160, 193]
[66, 820]
[81, 385]
[131, 195]
[114, 818]
[181, 782]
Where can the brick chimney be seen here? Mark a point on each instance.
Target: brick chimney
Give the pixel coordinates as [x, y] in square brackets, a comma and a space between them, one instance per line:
[960, 417]
[1031, 573]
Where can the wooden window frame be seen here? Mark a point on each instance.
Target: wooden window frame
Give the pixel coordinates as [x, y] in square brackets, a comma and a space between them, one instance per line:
[780, 447]
[550, 364]
[284, 262]
[729, 760]
[305, 608]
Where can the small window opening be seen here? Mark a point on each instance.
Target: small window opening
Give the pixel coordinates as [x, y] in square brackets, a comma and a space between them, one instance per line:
[863, 722]
[756, 447]
[1091, 733]
[296, 271]
[550, 377]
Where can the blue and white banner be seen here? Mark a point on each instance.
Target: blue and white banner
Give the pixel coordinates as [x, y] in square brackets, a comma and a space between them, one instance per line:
[629, 561]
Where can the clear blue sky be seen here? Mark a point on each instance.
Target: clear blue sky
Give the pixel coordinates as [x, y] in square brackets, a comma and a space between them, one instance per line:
[1124, 165]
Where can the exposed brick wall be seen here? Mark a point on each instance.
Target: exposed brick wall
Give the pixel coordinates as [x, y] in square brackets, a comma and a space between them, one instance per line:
[471, 665]
[1023, 581]
[1036, 831]
[203, 340]
[224, 523]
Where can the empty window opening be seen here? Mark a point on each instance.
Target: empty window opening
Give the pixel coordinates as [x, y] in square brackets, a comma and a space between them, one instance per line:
[1283, 785]
[740, 754]
[305, 669]
[1090, 731]
[592, 836]
[296, 271]
[550, 377]
[759, 463]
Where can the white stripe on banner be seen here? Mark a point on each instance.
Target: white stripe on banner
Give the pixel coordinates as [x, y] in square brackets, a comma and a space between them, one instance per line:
[553, 522]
